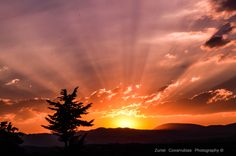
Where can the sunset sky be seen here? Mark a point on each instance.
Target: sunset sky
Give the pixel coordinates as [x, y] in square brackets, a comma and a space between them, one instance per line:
[141, 63]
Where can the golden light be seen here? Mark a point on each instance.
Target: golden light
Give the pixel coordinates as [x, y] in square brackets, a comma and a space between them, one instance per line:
[126, 123]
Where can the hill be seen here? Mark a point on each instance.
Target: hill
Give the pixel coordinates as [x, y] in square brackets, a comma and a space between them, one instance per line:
[164, 134]
[179, 126]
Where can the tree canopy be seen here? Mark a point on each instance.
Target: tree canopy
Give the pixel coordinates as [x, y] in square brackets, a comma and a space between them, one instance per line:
[68, 116]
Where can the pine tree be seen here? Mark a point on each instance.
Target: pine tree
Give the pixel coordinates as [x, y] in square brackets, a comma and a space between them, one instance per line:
[67, 118]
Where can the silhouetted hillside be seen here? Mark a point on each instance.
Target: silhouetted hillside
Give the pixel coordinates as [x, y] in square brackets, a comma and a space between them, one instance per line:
[42, 139]
[179, 126]
[169, 133]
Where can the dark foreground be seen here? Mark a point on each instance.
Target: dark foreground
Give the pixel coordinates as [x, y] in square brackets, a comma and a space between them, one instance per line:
[209, 148]
[182, 139]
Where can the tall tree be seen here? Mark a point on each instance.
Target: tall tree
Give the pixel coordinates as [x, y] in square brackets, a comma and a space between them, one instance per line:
[67, 117]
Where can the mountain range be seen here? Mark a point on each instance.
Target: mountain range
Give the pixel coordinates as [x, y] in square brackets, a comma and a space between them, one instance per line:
[163, 134]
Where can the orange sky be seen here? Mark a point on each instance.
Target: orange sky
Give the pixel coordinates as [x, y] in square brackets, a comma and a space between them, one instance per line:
[141, 63]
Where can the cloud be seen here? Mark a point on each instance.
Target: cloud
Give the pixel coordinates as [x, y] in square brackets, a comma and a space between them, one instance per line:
[135, 104]
[130, 111]
[220, 95]
[216, 41]
[35, 49]
[224, 11]
[224, 5]
[15, 106]
[4, 68]
[8, 117]
[6, 101]
[54, 45]
[161, 103]
[219, 9]
[212, 101]
[170, 56]
[228, 84]
[28, 114]
[120, 96]
[194, 79]
[123, 100]
[128, 90]
[12, 82]
[36, 36]
[221, 37]
[208, 102]
[185, 37]
[175, 85]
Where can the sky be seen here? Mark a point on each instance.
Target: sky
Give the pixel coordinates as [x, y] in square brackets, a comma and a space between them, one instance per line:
[141, 63]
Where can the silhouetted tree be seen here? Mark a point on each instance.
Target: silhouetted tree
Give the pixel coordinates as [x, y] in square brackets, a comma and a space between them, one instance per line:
[10, 138]
[67, 118]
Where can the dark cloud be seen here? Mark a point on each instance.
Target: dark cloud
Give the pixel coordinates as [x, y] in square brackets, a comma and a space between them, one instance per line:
[216, 41]
[225, 29]
[223, 36]
[224, 5]
[219, 38]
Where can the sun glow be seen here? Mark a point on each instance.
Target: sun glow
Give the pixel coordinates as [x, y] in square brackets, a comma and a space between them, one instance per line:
[126, 123]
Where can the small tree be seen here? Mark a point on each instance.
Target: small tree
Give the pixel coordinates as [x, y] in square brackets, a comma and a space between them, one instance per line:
[10, 138]
[67, 118]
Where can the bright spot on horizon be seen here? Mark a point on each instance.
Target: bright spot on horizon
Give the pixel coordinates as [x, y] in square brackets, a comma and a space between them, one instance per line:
[126, 123]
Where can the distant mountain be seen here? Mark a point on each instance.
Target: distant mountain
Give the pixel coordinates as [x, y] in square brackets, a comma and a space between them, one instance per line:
[167, 133]
[189, 126]
[179, 126]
